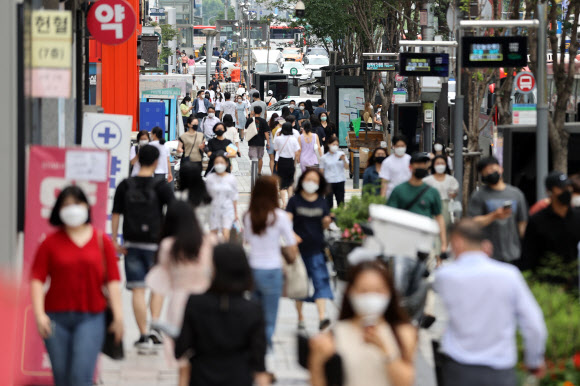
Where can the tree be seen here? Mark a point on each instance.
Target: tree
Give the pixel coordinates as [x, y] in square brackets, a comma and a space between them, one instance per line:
[168, 33]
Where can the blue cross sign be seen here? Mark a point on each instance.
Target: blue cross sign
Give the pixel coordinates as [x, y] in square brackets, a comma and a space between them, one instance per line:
[106, 135]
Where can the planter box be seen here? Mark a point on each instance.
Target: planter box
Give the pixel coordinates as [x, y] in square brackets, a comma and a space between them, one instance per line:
[340, 250]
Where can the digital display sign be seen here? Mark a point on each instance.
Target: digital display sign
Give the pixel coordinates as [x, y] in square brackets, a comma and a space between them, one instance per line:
[488, 51]
[379, 65]
[423, 64]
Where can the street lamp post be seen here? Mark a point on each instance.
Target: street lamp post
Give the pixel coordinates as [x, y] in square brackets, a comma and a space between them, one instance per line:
[209, 35]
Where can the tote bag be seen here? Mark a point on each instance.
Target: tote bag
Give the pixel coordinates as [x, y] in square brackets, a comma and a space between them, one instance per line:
[251, 131]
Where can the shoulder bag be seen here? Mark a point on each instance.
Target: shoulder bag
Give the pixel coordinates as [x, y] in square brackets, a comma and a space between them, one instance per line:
[417, 197]
[185, 159]
[252, 130]
[110, 348]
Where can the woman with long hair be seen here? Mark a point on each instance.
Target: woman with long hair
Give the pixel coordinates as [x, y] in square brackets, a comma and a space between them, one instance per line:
[185, 108]
[234, 136]
[79, 260]
[194, 191]
[241, 115]
[442, 180]
[371, 179]
[374, 339]
[272, 124]
[309, 146]
[142, 140]
[223, 189]
[219, 99]
[285, 112]
[310, 216]
[265, 225]
[191, 143]
[287, 151]
[308, 106]
[184, 268]
[224, 330]
[328, 127]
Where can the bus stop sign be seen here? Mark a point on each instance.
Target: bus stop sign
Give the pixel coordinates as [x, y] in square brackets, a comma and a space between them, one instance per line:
[525, 82]
[111, 22]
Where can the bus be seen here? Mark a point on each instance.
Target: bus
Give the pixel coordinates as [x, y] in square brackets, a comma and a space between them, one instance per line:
[281, 35]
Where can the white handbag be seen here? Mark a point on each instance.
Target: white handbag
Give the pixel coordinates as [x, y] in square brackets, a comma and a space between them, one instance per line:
[295, 279]
[251, 131]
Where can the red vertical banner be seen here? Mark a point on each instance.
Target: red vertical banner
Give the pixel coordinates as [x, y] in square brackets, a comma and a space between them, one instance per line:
[51, 169]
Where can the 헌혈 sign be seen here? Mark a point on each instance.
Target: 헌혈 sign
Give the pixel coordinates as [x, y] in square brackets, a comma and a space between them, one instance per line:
[423, 64]
[491, 51]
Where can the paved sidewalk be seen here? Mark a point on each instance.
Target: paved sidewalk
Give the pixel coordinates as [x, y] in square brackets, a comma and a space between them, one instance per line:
[152, 370]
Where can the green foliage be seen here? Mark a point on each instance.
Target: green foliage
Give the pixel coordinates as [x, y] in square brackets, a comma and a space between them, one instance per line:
[553, 268]
[356, 210]
[168, 33]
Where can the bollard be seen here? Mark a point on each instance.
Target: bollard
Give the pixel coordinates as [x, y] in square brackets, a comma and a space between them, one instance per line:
[355, 169]
[254, 173]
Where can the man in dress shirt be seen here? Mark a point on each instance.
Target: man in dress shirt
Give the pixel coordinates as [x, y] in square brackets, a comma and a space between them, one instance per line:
[486, 300]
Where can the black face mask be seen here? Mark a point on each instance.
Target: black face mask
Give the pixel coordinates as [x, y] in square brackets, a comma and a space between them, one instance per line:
[421, 173]
[219, 133]
[194, 127]
[379, 160]
[565, 197]
[491, 179]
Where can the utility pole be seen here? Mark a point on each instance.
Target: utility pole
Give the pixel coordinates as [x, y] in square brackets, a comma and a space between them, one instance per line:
[172, 21]
[542, 106]
[227, 5]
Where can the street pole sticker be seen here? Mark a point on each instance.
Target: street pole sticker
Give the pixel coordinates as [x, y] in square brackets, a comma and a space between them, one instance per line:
[525, 82]
[112, 22]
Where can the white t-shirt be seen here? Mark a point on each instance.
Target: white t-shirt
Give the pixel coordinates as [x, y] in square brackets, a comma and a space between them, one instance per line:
[137, 165]
[240, 91]
[232, 134]
[286, 146]
[211, 96]
[395, 170]
[218, 105]
[295, 133]
[265, 248]
[162, 167]
[229, 107]
[443, 187]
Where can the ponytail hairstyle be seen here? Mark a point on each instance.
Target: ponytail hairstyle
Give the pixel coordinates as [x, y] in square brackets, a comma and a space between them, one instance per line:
[159, 134]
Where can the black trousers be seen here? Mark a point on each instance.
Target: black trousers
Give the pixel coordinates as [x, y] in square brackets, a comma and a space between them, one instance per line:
[337, 190]
[201, 115]
[458, 374]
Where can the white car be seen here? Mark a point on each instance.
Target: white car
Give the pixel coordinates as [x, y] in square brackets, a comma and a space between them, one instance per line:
[314, 63]
[200, 65]
[301, 73]
[277, 107]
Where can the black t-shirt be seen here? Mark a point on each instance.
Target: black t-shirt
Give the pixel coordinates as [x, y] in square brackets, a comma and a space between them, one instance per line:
[262, 127]
[163, 190]
[215, 144]
[308, 222]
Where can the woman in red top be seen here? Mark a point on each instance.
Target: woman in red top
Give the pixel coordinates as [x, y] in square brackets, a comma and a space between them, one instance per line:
[70, 317]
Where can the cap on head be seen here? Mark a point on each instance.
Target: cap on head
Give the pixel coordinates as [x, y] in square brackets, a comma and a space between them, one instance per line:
[270, 92]
[419, 157]
[556, 179]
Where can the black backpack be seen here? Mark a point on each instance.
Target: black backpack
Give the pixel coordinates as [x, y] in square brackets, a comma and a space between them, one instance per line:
[142, 216]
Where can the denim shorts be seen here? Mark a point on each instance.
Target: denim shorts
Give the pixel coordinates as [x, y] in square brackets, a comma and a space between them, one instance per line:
[137, 263]
[271, 149]
[318, 273]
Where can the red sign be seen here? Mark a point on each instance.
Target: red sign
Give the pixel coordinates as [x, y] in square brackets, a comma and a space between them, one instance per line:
[111, 22]
[398, 78]
[46, 178]
[525, 82]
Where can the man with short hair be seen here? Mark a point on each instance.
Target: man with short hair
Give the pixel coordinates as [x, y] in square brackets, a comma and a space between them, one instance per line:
[418, 197]
[140, 200]
[553, 232]
[228, 107]
[257, 142]
[258, 102]
[321, 107]
[500, 209]
[208, 123]
[271, 100]
[486, 301]
[200, 104]
[213, 83]
[395, 168]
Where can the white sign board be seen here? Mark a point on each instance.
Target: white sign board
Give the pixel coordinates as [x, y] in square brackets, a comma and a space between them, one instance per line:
[110, 132]
[524, 114]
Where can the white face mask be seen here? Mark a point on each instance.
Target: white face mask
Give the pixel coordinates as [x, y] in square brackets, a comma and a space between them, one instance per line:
[143, 142]
[211, 115]
[400, 151]
[438, 147]
[292, 106]
[440, 169]
[301, 107]
[74, 215]
[333, 148]
[575, 201]
[370, 306]
[379, 110]
[220, 168]
[310, 187]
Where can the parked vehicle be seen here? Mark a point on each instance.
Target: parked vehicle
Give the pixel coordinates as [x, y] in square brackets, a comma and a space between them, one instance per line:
[314, 63]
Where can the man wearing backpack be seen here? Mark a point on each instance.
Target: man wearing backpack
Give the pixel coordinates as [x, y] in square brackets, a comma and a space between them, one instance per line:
[140, 200]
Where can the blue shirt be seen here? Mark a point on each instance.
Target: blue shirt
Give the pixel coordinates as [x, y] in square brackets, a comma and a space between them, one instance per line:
[319, 110]
[486, 300]
[333, 167]
[371, 177]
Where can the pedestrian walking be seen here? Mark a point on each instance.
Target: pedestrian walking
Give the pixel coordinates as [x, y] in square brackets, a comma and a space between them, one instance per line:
[371, 175]
[500, 209]
[142, 140]
[329, 127]
[185, 107]
[184, 267]
[140, 200]
[303, 114]
[420, 198]
[274, 127]
[191, 66]
[195, 87]
[191, 143]
[219, 99]
[223, 189]
[194, 191]
[321, 108]
[287, 152]
[270, 100]
[553, 233]
[309, 146]
[70, 316]
[308, 107]
[395, 169]
[234, 137]
[241, 116]
[374, 337]
[265, 226]
[310, 216]
[218, 145]
[258, 102]
[447, 185]
[332, 165]
[241, 89]
[208, 123]
[223, 329]
[319, 130]
[486, 300]
[228, 107]
[439, 149]
[256, 143]
[163, 170]
[201, 104]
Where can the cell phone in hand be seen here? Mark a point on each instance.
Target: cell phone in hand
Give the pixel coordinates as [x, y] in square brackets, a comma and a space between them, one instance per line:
[507, 205]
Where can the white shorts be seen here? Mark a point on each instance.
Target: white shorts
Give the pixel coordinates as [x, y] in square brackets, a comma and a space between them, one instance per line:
[221, 218]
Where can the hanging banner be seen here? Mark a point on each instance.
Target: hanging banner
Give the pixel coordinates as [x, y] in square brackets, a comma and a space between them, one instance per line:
[110, 132]
[49, 172]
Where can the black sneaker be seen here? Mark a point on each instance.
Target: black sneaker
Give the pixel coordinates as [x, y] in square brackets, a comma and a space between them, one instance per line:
[155, 336]
[324, 324]
[144, 345]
